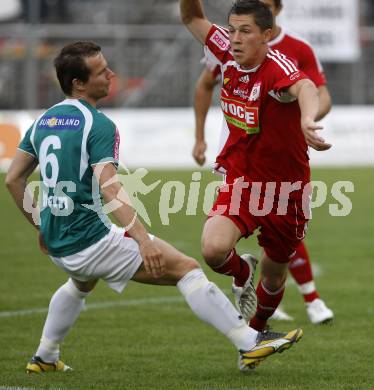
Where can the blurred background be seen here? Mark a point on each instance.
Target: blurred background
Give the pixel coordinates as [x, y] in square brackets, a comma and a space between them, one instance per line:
[154, 57]
[157, 63]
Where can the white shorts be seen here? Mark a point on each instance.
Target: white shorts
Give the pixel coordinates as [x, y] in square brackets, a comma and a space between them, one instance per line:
[115, 259]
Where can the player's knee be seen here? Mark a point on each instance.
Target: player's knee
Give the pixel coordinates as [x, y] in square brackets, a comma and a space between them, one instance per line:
[273, 274]
[214, 252]
[189, 264]
[184, 266]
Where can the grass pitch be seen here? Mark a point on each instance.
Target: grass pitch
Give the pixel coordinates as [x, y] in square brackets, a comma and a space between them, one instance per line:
[147, 338]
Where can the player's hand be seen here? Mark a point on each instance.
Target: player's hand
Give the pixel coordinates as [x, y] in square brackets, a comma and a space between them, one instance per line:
[316, 142]
[154, 262]
[198, 152]
[42, 245]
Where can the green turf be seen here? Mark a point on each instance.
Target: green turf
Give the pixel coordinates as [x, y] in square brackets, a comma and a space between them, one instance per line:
[162, 345]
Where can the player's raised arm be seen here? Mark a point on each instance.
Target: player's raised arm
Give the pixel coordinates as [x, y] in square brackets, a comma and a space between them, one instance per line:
[192, 15]
[307, 95]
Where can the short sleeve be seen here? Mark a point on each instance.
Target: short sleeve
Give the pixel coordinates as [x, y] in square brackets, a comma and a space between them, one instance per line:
[286, 81]
[284, 74]
[103, 142]
[26, 145]
[217, 45]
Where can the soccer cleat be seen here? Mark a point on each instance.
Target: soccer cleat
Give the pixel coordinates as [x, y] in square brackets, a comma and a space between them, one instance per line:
[245, 297]
[281, 315]
[267, 344]
[37, 366]
[318, 312]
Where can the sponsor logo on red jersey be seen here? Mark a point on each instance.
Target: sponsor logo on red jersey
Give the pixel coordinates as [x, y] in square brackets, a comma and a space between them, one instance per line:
[256, 91]
[240, 115]
[220, 40]
[241, 93]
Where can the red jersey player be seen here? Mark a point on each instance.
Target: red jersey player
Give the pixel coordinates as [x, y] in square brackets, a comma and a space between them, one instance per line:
[270, 108]
[303, 56]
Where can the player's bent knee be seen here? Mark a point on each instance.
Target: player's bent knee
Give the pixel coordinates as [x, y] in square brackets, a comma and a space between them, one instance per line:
[214, 253]
[273, 283]
[192, 264]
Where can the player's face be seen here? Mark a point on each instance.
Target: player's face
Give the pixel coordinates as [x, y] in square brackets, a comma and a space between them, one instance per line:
[274, 10]
[100, 78]
[248, 42]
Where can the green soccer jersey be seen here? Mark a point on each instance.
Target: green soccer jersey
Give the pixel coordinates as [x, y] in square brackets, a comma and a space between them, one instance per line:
[67, 140]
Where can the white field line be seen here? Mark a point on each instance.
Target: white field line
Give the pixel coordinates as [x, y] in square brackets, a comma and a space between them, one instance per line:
[20, 388]
[98, 306]
[16, 388]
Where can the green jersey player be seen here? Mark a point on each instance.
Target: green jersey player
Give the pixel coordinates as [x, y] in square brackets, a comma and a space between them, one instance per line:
[68, 140]
[76, 147]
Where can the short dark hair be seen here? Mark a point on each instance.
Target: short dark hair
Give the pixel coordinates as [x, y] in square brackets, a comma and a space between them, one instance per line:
[261, 13]
[70, 63]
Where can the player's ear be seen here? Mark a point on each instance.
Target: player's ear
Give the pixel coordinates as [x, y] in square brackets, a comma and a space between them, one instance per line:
[78, 84]
[266, 36]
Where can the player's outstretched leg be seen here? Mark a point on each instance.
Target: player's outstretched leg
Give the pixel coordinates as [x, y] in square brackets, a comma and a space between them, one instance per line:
[211, 305]
[205, 299]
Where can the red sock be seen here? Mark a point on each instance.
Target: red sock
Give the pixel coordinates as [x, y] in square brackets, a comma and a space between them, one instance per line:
[301, 271]
[267, 303]
[234, 266]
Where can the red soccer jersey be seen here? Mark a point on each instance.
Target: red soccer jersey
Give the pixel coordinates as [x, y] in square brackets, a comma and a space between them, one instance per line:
[302, 55]
[265, 141]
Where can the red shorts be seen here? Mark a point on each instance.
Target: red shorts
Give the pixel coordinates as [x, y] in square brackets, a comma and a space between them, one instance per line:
[282, 224]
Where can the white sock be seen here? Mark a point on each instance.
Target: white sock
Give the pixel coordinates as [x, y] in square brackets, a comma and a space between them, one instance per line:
[307, 288]
[64, 308]
[211, 305]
